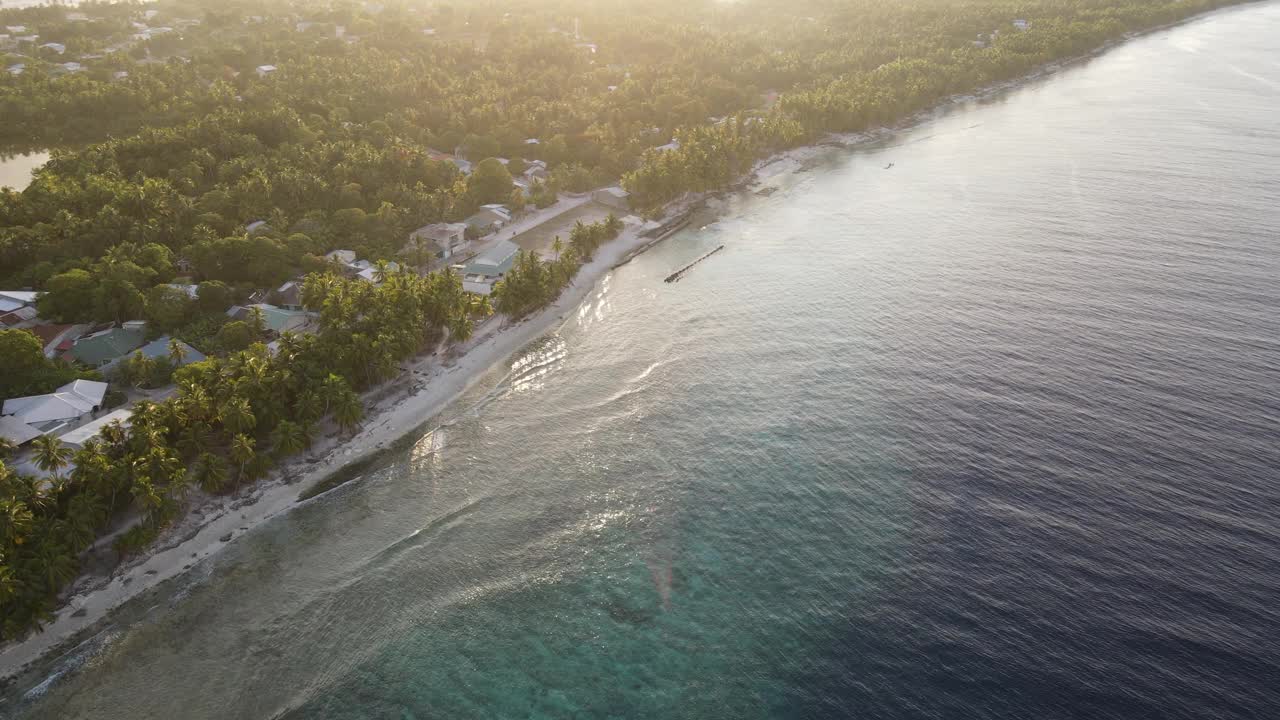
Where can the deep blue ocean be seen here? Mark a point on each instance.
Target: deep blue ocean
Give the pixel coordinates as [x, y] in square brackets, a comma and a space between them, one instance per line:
[991, 434]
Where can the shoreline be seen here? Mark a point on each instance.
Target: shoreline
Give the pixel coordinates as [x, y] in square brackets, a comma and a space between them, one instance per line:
[435, 381]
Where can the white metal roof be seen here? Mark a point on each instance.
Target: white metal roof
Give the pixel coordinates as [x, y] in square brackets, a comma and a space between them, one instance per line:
[80, 435]
[16, 431]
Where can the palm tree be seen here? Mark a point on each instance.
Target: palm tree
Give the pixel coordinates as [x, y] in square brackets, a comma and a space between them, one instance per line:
[237, 415]
[308, 407]
[59, 566]
[258, 322]
[332, 389]
[195, 438]
[288, 438]
[557, 245]
[177, 353]
[85, 513]
[381, 270]
[16, 520]
[242, 453]
[51, 455]
[348, 411]
[211, 472]
[6, 447]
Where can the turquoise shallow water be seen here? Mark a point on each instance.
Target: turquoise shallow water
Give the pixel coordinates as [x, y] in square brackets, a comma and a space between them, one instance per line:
[992, 434]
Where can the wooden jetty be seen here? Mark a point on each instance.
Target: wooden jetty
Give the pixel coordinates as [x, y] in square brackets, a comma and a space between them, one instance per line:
[675, 276]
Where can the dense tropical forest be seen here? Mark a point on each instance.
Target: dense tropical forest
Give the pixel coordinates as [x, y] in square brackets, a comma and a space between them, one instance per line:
[174, 125]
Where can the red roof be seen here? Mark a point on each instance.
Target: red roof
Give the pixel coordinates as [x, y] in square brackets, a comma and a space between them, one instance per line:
[47, 333]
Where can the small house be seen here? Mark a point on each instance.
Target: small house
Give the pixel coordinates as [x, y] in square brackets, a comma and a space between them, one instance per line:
[536, 169]
[614, 197]
[276, 320]
[265, 70]
[342, 257]
[104, 346]
[488, 219]
[191, 291]
[159, 348]
[444, 239]
[11, 300]
[56, 47]
[370, 273]
[23, 317]
[289, 295]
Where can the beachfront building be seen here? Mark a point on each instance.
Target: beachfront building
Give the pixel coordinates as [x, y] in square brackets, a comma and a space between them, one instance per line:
[105, 346]
[480, 275]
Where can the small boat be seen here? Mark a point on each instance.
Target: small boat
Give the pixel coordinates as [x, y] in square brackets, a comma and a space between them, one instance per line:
[886, 167]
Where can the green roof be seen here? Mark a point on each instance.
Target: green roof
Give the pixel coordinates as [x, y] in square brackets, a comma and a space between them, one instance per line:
[279, 320]
[103, 347]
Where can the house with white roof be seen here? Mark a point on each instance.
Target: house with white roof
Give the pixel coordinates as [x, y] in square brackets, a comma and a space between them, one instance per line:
[265, 70]
[56, 47]
[77, 438]
[343, 257]
[370, 274]
[191, 291]
[67, 405]
[536, 169]
[444, 239]
[17, 432]
[289, 295]
[489, 218]
[11, 300]
[614, 197]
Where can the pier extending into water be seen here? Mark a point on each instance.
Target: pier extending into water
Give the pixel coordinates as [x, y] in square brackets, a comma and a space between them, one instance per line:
[675, 276]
